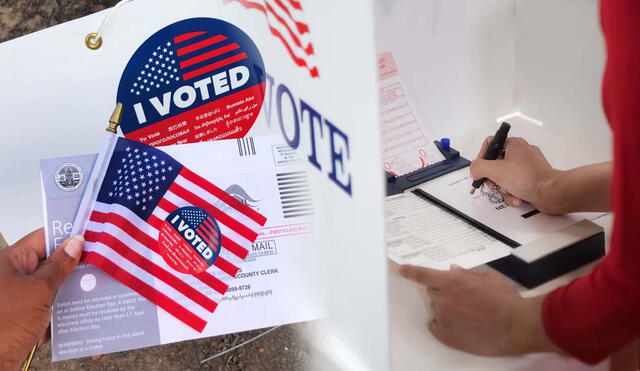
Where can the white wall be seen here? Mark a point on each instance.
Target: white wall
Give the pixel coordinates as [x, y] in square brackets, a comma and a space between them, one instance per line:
[455, 58]
[465, 63]
[559, 65]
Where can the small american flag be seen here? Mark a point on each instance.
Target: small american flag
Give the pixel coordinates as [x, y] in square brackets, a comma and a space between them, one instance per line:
[182, 58]
[284, 22]
[143, 188]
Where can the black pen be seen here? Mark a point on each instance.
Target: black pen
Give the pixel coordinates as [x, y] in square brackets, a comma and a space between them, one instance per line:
[494, 150]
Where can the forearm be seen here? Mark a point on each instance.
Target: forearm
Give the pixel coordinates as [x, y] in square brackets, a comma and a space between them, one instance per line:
[528, 334]
[584, 188]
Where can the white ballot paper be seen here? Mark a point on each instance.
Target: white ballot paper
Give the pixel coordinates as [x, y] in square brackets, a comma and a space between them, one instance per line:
[420, 233]
[522, 224]
[405, 147]
[278, 283]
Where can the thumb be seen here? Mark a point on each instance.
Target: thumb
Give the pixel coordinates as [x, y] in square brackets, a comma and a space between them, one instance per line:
[60, 264]
[492, 169]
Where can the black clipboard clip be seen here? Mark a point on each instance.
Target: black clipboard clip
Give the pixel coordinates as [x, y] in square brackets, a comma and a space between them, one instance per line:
[452, 162]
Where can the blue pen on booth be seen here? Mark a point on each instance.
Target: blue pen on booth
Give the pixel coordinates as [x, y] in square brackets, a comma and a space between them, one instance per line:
[495, 149]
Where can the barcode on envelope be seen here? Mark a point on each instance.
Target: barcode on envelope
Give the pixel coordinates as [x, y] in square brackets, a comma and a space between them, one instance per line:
[246, 147]
[295, 194]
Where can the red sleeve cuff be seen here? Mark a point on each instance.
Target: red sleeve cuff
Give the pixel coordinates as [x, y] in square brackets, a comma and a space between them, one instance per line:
[592, 317]
[558, 334]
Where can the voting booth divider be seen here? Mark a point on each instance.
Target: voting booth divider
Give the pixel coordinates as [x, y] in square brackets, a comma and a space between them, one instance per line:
[465, 65]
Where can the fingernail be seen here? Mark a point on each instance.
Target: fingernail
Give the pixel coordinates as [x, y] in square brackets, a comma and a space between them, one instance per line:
[74, 246]
[455, 267]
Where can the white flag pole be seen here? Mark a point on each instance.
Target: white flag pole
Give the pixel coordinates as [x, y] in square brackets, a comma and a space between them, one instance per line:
[98, 173]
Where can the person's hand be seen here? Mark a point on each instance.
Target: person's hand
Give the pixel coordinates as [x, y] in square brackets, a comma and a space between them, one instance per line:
[481, 312]
[28, 285]
[523, 175]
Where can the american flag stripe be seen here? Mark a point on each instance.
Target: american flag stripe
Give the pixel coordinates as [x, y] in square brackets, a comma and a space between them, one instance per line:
[279, 15]
[296, 4]
[155, 222]
[156, 270]
[230, 205]
[209, 55]
[166, 205]
[302, 27]
[296, 40]
[205, 230]
[117, 219]
[200, 44]
[207, 233]
[223, 196]
[211, 281]
[215, 66]
[226, 266]
[136, 281]
[209, 225]
[282, 24]
[186, 36]
[205, 237]
[220, 215]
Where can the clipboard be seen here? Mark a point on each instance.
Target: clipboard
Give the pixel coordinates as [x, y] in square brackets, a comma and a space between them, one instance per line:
[452, 162]
[530, 265]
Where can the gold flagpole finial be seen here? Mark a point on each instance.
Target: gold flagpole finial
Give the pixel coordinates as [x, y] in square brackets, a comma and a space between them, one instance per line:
[114, 121]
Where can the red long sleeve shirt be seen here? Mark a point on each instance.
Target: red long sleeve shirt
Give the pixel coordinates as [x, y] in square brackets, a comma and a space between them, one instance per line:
[597, 314]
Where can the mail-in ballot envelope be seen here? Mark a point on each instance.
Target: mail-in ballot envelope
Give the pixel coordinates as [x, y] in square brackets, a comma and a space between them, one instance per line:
[279, 282]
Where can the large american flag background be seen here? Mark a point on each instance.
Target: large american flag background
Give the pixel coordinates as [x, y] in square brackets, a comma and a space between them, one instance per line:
[284, 21]
[141, 187]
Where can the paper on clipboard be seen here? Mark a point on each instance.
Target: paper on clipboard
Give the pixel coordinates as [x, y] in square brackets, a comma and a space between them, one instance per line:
[522, 224]
[420, 233]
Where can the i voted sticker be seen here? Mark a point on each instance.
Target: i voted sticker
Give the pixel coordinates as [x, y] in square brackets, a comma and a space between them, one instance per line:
[189, 240]
[195, 80]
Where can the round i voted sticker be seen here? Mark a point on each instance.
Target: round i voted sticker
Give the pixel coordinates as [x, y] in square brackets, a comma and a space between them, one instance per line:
[195, 80]
[189, 240]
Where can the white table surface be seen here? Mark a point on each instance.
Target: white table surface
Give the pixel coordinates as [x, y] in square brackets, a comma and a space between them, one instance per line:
[414, 348]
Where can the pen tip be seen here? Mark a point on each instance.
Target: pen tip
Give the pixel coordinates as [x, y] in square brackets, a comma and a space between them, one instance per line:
[473, 190]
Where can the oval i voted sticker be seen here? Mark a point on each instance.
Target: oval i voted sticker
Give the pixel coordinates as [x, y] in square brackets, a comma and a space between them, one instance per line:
[195, 80]
[190, 240]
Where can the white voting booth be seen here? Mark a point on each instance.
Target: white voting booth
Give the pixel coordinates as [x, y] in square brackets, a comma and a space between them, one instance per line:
[469, 64]
[464, 64]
